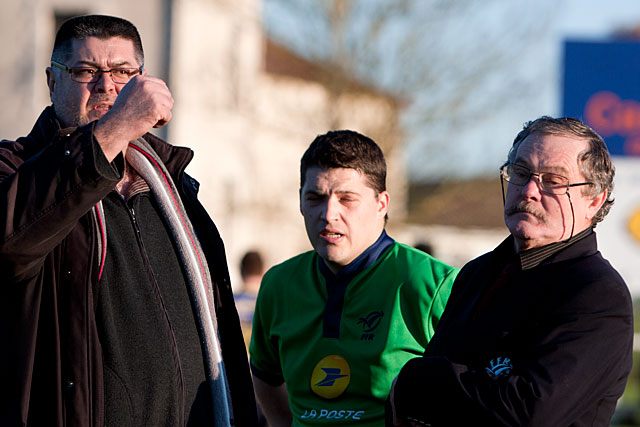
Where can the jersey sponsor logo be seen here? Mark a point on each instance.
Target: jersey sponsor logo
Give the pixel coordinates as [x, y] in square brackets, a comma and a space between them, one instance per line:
[330, 377]
[499, 366]
[369, 323]
[633, 224]
[332, 414]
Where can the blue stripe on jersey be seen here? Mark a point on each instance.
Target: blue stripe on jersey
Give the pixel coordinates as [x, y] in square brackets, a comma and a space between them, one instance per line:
[337, 283]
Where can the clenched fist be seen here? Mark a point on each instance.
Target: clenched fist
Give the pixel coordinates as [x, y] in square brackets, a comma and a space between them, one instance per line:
[143, 103]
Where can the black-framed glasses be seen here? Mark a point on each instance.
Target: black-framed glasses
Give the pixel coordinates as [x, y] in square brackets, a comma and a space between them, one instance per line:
[548, 182]
[92, 74]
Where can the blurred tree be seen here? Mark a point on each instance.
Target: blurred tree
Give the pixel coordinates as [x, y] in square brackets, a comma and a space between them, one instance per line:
[452, 62]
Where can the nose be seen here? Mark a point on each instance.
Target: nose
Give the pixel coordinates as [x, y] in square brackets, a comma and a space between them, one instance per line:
[330, 209]
[531, 189]
[105, 82]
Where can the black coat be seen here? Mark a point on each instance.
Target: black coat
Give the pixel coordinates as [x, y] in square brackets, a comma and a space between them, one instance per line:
[51, 361]
[551, 348]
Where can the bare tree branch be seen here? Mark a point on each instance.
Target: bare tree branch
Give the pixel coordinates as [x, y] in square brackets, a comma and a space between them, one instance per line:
[452, 61]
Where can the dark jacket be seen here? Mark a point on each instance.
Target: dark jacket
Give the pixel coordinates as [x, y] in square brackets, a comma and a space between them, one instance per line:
[553, 347]
[50, 259]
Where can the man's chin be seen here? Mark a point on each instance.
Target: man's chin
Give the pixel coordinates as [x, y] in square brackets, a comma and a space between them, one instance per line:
[76, 121]
[525, 229]
[94, 115]
[333, 258]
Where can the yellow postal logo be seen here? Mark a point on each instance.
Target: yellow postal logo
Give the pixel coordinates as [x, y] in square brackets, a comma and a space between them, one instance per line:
[330, 377]
[634, 224]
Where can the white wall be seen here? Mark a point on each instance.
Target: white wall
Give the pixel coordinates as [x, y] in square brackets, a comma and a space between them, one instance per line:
[619, 233]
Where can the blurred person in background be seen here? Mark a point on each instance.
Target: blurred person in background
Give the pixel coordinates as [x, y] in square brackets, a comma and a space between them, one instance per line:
[115, 302]
[334, 325]
[424, 247]
[538, 332]
[251, 272]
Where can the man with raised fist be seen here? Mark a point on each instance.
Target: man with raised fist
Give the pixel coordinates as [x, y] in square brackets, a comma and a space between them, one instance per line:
[116, 306]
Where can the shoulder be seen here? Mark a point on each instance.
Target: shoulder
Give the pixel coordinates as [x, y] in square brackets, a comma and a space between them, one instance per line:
[589, 267]
[418, 272]
[300, 266]
[13, 153]
[475, 265]
[588, 282]
[174, 158]
[303, 260]
[415, 261]
[471, 276]
[287, 281]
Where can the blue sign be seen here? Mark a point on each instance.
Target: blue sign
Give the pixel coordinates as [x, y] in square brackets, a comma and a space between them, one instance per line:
[602, 88]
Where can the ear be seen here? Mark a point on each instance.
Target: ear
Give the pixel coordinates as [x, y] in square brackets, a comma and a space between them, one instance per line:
[51, 81]
[383, 204]
[300, 201]
[595, 204]
[144, 72]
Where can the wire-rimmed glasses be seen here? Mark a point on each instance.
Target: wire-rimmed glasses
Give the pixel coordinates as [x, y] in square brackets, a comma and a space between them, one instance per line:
[548, 182]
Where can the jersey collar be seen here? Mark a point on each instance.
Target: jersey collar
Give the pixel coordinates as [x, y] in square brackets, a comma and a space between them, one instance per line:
[364, 260]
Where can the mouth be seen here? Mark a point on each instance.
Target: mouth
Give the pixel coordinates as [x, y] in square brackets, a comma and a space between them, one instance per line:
[331, 236]
[102, 107]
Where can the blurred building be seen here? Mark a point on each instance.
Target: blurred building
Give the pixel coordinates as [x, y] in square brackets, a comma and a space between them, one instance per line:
[458, 219]
[246, 106]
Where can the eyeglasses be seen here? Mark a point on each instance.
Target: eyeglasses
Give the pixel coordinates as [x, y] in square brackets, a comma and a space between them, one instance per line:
[92, 75]
[550, 183]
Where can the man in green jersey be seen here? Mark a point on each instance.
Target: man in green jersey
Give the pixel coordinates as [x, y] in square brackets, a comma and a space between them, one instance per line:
[333, 326]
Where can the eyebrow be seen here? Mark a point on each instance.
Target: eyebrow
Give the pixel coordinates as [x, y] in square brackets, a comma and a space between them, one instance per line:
[558, 170]
[115, 64]
[318, 192]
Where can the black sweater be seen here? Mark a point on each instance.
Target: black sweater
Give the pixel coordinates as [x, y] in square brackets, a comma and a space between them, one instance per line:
[153, 365]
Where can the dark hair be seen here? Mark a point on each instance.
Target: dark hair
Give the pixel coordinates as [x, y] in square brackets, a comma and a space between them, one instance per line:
[595, 163]
[100, 26]
[251, 264]
[346, 149]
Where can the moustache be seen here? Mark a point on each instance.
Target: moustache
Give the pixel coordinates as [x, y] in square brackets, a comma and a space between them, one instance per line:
[525, 207]
[101, 99]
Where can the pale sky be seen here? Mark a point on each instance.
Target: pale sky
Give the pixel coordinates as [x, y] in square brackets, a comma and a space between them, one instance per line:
[593, 18]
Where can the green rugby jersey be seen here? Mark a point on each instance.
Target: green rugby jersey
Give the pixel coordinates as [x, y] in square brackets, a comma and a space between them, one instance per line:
[388, 314]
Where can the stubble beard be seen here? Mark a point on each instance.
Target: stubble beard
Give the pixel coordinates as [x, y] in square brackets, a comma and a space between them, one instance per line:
[67, 118]
[71, 117]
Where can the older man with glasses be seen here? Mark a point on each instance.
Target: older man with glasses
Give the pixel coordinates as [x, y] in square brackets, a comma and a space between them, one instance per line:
[538, 332]
[115, 304]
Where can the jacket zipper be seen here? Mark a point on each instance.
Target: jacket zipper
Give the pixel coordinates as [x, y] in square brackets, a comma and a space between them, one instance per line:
[143, 251]
[136, 227]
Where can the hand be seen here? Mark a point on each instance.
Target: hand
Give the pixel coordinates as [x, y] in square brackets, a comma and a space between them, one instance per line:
[143, 103]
